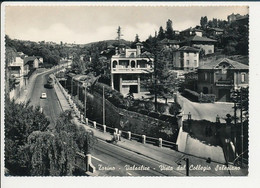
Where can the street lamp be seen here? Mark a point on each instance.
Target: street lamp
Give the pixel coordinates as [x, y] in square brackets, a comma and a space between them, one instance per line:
[187, 165]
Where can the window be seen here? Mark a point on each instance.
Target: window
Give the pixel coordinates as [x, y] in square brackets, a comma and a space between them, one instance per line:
[195, 63]
[206, 76]
[195, 54]
[243, 76]
[188, 54]
[188, 62]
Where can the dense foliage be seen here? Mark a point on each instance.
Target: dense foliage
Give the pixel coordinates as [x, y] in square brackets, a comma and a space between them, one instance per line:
[34, 148]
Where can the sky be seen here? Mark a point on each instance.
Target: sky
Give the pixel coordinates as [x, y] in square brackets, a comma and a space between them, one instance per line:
[84, 24]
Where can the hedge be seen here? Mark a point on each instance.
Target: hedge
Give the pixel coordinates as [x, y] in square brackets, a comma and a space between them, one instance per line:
[194, 96]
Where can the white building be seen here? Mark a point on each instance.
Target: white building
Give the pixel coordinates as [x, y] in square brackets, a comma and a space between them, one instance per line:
[129, 68]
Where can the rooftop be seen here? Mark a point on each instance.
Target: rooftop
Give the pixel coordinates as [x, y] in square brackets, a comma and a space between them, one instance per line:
[168, 41]
[233, 64]
[199, 39]
[188, 49]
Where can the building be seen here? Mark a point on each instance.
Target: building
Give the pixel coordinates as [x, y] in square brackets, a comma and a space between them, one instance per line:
[33, 61]
[191, 32]
[233, 17]
[129, 68]
[204, 43]
[243, 20]
[16, 69]
[167, 43]
[215, 31]
[186, 58]
[221, 76]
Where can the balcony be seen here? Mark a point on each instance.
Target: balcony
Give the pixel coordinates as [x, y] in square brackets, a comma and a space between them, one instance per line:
[224, 83]
[131, 70]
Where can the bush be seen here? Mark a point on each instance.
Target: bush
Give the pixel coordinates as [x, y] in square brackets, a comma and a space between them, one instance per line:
[174, 109]
[204, 98]
[196, 97]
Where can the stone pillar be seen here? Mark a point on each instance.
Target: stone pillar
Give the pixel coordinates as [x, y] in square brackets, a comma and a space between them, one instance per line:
[81, 118]
[104, 128]
[129, 135]
[116, 129]
[160, 142]
[86, 119]
[112, 81]
[143, 139]
[95, 124]
[89, 166]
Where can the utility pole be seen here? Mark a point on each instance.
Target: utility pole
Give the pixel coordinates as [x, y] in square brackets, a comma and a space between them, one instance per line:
[78, 89]
[242, 134]
[85, 101]
[235, 128]
[71, 86]
[155, 77]
[187, 166]
[103, 106]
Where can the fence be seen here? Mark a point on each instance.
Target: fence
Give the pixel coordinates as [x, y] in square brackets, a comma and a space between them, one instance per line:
[121, 133]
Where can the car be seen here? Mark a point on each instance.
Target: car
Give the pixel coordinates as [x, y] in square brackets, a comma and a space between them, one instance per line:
[44, 96]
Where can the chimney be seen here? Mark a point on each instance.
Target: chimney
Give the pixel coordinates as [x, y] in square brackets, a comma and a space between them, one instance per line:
[138, 48]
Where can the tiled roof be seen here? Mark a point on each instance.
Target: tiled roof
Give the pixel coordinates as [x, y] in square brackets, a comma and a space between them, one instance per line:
[29, 58]
[197, 38]
[216, 29]
[168, 41]
[192, 29]
[214, 64]
[188, 49]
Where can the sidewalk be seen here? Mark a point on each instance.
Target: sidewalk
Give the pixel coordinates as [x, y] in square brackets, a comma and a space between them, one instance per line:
[198, 165]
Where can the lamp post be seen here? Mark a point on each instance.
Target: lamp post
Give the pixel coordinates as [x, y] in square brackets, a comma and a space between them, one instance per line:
[85, 101]
[103, 106]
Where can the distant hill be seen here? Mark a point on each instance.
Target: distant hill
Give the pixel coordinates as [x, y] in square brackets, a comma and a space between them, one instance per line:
[109, 42]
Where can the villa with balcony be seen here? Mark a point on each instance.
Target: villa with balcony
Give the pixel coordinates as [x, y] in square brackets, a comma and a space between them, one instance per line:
[129, 68]
[221, 76]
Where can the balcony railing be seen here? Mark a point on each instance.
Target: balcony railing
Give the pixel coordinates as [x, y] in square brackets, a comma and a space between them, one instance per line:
[224, 82]
[132, 70]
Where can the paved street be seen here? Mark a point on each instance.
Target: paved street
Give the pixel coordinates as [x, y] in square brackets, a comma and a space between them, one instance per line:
[51, 106]
[207, 111]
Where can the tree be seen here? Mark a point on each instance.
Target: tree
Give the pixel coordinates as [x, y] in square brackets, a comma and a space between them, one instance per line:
[136, 39]
[169, 33]
[161, 34]
[204, 22]
[20, 121]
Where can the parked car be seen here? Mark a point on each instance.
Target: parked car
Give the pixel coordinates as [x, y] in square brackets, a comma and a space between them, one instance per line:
[44, 96]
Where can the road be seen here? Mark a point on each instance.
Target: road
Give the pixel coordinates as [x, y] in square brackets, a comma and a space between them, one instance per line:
[51, 106]
[106, 156]
[207, 111]
[117, 162]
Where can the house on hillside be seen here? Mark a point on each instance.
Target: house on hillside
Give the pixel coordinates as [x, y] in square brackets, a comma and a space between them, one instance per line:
[167, 43]
[33, 61]
[215, 31]
[221, 76]
[129, 69]
[191, 32]
[204, 43]
[233, 17]
[16, 70]
[186, 58]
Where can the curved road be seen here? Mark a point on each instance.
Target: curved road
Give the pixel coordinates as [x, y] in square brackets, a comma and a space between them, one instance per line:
[109, 159]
